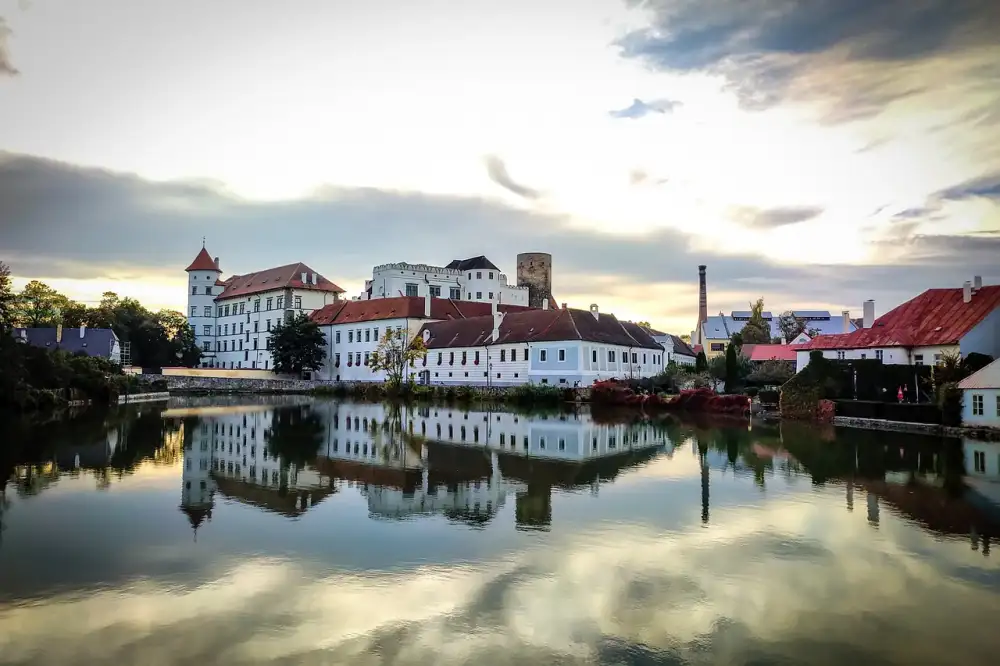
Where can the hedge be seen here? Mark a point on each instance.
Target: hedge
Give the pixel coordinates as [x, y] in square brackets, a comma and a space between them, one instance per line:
[890, 411]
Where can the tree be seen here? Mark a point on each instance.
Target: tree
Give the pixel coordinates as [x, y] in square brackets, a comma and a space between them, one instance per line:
[701, 362]
[791, 326]
[772, 372]
[686, 337]
[717, 369]
[8, 301]
[394, 353]
[644, 324]
[297, 345]
[756, 330]
[38, 305]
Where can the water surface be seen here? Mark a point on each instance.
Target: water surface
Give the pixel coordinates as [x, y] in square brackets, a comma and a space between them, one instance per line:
[296, 531]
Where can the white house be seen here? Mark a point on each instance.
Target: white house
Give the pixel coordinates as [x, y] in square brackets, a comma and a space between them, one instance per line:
[232, 318]
[476, 279]
[676, 349]
[353, 329]
[920, 331]
[563, 347]
[981, 397]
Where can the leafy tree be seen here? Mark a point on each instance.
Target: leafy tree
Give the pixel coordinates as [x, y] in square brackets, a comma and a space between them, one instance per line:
[644, 324]
[757, 330]
[297, 345]
[394, 353]
[717, 368]
[686, 337]
[772, 372]
[38, 305]
[791, 326]
[701, 362]
[8, 301]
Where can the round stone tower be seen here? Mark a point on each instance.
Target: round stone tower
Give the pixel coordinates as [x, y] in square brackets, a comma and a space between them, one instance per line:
[534, 271]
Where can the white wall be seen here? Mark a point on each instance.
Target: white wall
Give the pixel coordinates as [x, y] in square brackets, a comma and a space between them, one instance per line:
[889, 355]
[991, 408]
[391, 280]
[357, 340]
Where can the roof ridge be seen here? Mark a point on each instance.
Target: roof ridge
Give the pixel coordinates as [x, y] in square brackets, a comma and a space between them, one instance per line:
[576, 330]
[552, 323]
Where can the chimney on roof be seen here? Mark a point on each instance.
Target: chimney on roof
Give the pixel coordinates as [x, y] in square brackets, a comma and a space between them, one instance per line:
[83, 330]
[977, 282]
[594, 310]
[545, 304]
[564, 306]
[847, 321]
[497, 320]
[315, 278]
[869, 314]
[427, 304]
[967, 292]
[784, 340]
[217, 264]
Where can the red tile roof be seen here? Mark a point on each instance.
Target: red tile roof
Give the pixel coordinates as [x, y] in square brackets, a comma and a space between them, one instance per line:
[203, 262]
[538, 326]
[282, 277]
[770, 352]
[935, 317]
[404, 307]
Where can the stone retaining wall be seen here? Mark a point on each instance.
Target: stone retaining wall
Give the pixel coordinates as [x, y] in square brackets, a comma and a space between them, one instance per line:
[184, 384]
[129, 398]
[919, 428]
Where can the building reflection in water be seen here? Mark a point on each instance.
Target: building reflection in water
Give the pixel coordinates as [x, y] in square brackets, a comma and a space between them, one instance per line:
[406, 462]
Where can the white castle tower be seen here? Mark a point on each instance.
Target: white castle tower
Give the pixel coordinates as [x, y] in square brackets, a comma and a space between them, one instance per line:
[203, 273]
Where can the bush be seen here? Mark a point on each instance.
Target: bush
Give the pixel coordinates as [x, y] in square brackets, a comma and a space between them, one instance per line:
[890, 411]
[949, 401]
[751, 391]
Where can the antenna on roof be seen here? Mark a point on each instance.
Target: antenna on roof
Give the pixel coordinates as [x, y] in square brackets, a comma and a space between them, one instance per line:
[203, 242]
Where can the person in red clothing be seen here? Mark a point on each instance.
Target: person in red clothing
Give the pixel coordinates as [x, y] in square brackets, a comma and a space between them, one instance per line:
[899, 394]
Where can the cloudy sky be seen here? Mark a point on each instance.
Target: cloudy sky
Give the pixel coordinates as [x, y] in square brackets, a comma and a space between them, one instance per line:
[813, 152]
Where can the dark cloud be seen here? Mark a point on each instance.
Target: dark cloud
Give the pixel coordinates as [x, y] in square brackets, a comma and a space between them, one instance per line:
[772, 50]
[57, 220]
[639, 108]
[987, 187]
[6, 65]
[773, 218]
[497, 171]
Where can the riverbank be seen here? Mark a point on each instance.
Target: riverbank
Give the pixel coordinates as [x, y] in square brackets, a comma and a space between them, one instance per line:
[986, 434]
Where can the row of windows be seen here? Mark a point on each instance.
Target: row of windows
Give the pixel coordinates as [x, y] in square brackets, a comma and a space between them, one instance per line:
[231, 345]
[233, 365]
[412, 289]
[979, 405]
[918, 359]
[223, 329]
[370, 334]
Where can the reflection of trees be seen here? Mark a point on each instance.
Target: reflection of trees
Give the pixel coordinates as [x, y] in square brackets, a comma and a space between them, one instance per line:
[296, 435]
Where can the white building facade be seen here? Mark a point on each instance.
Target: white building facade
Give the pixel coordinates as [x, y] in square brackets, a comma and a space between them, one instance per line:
[981, 397]
[476, 280]
[232, 319]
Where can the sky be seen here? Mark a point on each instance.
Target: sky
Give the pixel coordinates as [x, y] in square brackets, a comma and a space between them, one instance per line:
[816, 153]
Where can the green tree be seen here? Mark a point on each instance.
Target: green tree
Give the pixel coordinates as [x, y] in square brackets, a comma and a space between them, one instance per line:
[717, 367]
[297, 345]
[790, 325]
[394, 353]
[8, 301]
[772, 372]
[38, 305]
[756, 330]
[71, 313]
[701, 362]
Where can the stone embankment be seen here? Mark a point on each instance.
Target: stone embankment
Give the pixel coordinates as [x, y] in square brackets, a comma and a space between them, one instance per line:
[918, 428]
[195, 385]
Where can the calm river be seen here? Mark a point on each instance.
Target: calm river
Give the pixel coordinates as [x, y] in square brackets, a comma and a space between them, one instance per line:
[296, 531]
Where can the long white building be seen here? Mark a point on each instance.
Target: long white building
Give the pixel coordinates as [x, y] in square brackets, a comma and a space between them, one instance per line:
[476, 280]
[232, 318]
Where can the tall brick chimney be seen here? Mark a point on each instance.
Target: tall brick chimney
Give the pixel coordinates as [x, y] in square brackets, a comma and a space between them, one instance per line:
[702, 301]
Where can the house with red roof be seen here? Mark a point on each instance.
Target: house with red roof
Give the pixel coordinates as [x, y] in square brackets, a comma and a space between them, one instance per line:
[232, 318]
[560, 347]
[354, 328]
[922, 330]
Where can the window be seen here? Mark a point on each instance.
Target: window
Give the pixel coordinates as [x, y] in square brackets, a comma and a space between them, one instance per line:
[256, 305]
[479, 275]
[208, 291]
[451, 358]
[368, 335]
[243, 308]
[479, 295]
[455, 293]
[937, 359]
[225, 345]
[998, 405]
[977, 405]
[270, 302]
[918, 359]
[411, 289]
[491, 295]
[268, 324]
[225, 310]
[979, 460]
[357, 358]
[255, 343]
[643, 359]
[225, 329]
[593, 356]
[218, 312]
[863, 356]
[878, 354]
[542, 355]
[718, 346]
[241, 328]
[298, 302]
[375, 334]
[470, 296]
[435, 291]
[367, 356]
[194, 310]
[475, 358]
[503, 355]
[207, 345]
[208, 311]
[635, 358]
[611, 356]
[841, 355]
[194, 291]
[470, 276]
[440, 355]
[513, 355]
[336, 337]
[350, 336]
[562, 354]
[336, 360]
[206, 330]
[255, 325]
